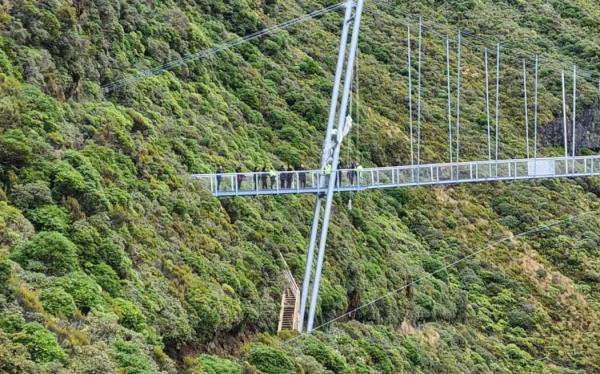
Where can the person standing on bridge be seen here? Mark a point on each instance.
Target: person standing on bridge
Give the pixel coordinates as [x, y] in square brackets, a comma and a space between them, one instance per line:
[359, 170]
[282, 177]
[263, 178]
[240, 177]
[340, 174]
[255, 177]
[218, 173]
[290, 176]
[273, 177]
[352, 173]
[326, 174]
[302, 176]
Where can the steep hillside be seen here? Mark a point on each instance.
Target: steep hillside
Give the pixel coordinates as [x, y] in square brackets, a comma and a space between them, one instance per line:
[113, 260]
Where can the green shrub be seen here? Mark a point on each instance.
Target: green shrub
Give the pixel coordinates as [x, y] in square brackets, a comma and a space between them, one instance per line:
[270, 360]
[250, 97]
[503, 207]
[462, 304]
[15, 148]
[287, 153]
[216, 365]
[58, 302]
[212, 309]
[5, 272]
[41, 111]
[309, 66]
[325, 355]
[49, 252]
[31, 195]
[11, 323]
[591, 276]
[94, 358]
[67, 181]
[424, 306]
[14, 357]
[41, 344]
[106, 277]
[518, 318]
[5, 65]
[84, 166]
[97, 247]
[49, 218]
[130, 358]
[516, 353]
[114, 255]
[84, 290]
[541, 273]
[357, 219]
[436, 267]
[332, 299]
[413, 352]
[13, 226]
[75, 176]
[511, 222]
[380, 359]
[118, 198]
[129, 314]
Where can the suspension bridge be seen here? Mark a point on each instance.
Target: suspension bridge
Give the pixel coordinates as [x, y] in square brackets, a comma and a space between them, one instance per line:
[329, 179]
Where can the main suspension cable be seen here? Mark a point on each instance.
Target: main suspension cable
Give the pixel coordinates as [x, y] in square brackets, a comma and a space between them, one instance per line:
[107, 88]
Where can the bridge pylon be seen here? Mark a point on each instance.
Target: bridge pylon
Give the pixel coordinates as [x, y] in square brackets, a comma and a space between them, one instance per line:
[330, 157]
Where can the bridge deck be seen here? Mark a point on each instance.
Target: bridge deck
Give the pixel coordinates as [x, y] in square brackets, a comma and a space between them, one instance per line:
[313, 181]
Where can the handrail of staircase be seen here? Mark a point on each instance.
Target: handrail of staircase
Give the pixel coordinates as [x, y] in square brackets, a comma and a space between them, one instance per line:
[287, 275]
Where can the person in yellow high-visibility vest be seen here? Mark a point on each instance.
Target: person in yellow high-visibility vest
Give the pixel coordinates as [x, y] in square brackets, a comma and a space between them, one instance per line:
[326, 173]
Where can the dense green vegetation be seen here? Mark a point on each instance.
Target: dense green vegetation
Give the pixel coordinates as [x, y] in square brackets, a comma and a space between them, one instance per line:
[113, 260]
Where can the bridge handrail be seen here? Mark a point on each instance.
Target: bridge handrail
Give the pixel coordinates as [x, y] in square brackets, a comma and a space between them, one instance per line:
[314, 180]
[399, 167]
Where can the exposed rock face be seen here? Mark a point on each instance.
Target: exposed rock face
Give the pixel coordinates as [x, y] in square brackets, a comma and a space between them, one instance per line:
[587, 131]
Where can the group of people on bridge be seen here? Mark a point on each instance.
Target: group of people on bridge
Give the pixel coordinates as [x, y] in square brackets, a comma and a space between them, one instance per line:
[267, 178]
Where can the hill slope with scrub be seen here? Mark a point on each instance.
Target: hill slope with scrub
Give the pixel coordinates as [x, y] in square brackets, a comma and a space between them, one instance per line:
[113, 260]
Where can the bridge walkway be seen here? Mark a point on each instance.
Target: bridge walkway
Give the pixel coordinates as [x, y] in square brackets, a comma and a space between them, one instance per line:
[314, 181]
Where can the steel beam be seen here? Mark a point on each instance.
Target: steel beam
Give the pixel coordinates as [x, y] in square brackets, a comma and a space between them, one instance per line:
[449, 99]
[458, 82]
[526, 108]
[564, 107]
[336, 154]
[324, 157]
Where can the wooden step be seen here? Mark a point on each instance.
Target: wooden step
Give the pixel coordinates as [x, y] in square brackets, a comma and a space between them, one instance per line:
[288, 317]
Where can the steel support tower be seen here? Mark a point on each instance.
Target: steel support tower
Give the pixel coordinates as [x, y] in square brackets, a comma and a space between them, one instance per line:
[330, 157]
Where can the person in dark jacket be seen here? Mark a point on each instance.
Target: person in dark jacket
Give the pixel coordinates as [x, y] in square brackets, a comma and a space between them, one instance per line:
[282, 177]
[273, 177]
[263, 178]
[240, 177]
[352, 173]
[302, 176]
[338, 181]
[255, 177]
[219, 176]
[290, 176]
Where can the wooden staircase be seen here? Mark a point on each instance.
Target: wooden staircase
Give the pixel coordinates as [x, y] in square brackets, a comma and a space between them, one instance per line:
[290, 304]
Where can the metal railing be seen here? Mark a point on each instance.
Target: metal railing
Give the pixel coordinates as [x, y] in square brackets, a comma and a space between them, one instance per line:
[315, 181]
